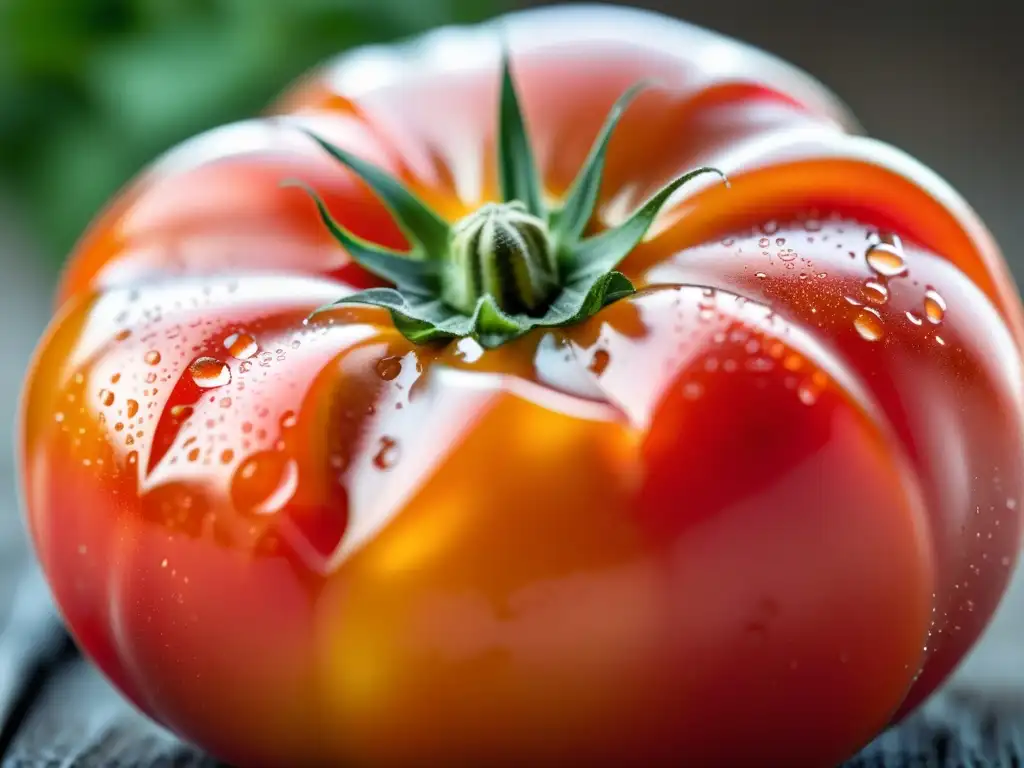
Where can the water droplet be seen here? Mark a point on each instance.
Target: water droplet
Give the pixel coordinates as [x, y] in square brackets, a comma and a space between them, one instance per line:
[875, 292]
[886, 260]
[152, 357]
[387, 454]
[793, 362]
[389, 368]
[241, 346]
[764, 242]
[264, 483]
[788, 255]
[133, 408]
[106, 397]
[115, 378]
[288, 420]
[760, 275]
[869, 324]
[914, 318]
[851, 300]
[940, 341]
[193, 454]
[693, 390]
[208, 372]
[780, 241]
[599, 362]
[934, 306]
[181, 412]
[226, 456]
[122, 334]
[807, 393]
[225, 402]
[770, 227]
[151, 378]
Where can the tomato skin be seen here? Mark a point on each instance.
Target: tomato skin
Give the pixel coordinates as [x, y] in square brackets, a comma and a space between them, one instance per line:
[749, 516]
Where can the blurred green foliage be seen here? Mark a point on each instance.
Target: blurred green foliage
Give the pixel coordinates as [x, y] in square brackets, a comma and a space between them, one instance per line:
[91, 90]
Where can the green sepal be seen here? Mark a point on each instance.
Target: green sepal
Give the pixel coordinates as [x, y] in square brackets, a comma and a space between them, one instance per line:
[423, 318]
[571, 219]
[421, 225]
[586, 268]
[419, 318]
[400, 268]
[517, 168]
[602, 252]
[580, 301]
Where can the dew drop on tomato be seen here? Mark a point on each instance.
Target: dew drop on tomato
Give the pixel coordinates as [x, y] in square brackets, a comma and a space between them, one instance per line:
[869, 324]
[389, 368]
[387, 453]
[934, 306]
[181, 412]
[886, 259]
[208, 372]
[599, 362]
[241, 346]
[875, 292]
[807, 393]
[152, 357]
[264, 483]
[133, 408]
[106, 397]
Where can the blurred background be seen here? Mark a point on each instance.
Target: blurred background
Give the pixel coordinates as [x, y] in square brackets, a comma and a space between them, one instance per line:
[90, 90]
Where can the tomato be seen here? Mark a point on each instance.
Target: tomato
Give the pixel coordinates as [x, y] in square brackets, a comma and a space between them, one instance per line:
[749, 510]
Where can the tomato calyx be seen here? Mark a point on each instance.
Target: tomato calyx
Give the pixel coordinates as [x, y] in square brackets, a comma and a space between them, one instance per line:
[504, 251]
[507, 267]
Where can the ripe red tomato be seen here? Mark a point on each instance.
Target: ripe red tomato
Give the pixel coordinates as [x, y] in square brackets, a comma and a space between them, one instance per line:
[749, 514]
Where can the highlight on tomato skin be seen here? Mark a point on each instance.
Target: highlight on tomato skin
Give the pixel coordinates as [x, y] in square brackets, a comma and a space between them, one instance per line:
[751, 510]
